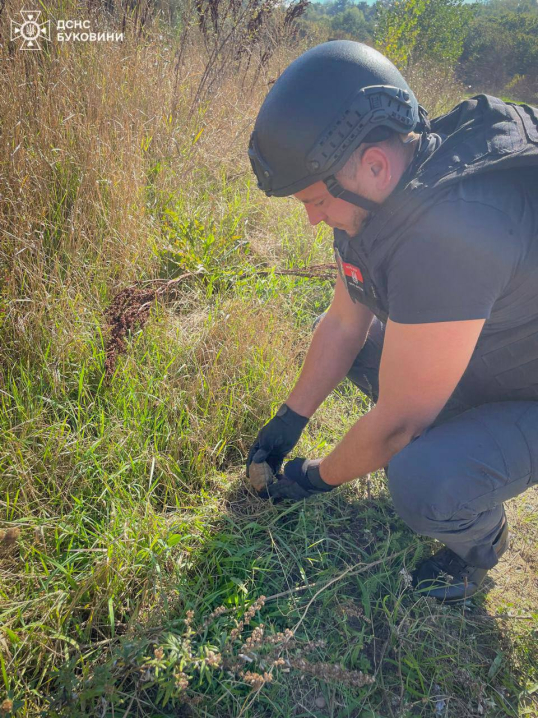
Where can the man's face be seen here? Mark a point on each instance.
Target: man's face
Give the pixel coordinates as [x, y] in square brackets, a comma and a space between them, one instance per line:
[375, 176]
[321, 206]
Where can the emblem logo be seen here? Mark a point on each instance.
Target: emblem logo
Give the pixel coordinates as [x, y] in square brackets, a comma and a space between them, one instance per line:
[31, 30]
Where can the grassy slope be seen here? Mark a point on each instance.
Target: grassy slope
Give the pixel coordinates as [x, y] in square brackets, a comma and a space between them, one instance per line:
[124, 504]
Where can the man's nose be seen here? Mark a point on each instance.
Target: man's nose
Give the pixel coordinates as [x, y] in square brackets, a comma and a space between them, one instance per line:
[314, 214]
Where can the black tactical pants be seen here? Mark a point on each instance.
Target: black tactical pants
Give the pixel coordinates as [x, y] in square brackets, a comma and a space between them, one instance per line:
[450, 482]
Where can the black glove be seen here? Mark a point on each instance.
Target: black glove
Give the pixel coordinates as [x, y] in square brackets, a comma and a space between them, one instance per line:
[301, 479]
[277, 438]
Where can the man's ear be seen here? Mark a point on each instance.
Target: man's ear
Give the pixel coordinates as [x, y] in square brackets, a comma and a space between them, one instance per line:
[376, 165]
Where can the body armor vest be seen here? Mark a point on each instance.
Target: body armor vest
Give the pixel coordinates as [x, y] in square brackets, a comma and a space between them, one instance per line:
[479, 135]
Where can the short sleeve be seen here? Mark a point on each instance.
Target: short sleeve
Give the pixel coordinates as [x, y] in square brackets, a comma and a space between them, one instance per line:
[452, 265]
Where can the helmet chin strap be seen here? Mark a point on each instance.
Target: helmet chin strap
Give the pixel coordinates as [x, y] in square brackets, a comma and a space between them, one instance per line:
[336, 190]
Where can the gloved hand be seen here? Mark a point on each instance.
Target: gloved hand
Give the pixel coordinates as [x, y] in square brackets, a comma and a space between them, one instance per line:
[301, 479]
[277, 438]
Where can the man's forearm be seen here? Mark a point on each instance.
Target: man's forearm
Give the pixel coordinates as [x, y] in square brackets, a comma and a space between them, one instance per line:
[330, 356]
[369, 445]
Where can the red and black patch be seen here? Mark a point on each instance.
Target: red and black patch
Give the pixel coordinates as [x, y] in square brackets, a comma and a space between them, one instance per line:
[353, 272]
[359, 285]
[350, 273]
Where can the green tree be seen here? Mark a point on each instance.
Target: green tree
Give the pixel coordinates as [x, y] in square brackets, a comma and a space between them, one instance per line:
[340, 19]
[351, 22]
[410, 31]
[501, 51]
[339, 6]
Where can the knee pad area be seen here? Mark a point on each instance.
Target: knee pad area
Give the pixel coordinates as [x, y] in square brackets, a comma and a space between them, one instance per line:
[418, 486]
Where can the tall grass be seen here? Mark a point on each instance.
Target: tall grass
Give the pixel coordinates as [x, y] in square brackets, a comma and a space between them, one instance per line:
[122, 503]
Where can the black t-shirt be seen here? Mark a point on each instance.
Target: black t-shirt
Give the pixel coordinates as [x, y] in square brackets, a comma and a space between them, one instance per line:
[473, 255]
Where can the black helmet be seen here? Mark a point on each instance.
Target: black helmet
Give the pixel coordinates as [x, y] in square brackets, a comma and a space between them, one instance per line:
[328, 101]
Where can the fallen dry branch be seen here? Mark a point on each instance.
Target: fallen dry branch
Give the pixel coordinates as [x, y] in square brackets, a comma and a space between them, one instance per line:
[314, 271]
[130, 308]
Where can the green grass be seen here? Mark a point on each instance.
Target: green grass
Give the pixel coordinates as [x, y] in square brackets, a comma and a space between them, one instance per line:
[132, 510]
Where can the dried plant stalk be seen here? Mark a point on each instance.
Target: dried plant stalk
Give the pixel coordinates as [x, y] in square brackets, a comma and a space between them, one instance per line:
[130, 308]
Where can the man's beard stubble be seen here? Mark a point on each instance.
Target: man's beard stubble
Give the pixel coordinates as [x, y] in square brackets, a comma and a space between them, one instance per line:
[359, 219]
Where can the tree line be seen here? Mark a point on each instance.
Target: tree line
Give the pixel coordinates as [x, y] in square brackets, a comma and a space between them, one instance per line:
[490, 46]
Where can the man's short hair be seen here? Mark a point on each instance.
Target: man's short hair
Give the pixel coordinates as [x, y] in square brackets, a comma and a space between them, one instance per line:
[395, 140]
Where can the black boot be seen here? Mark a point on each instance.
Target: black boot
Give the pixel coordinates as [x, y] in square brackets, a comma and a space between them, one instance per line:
[448, 578]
